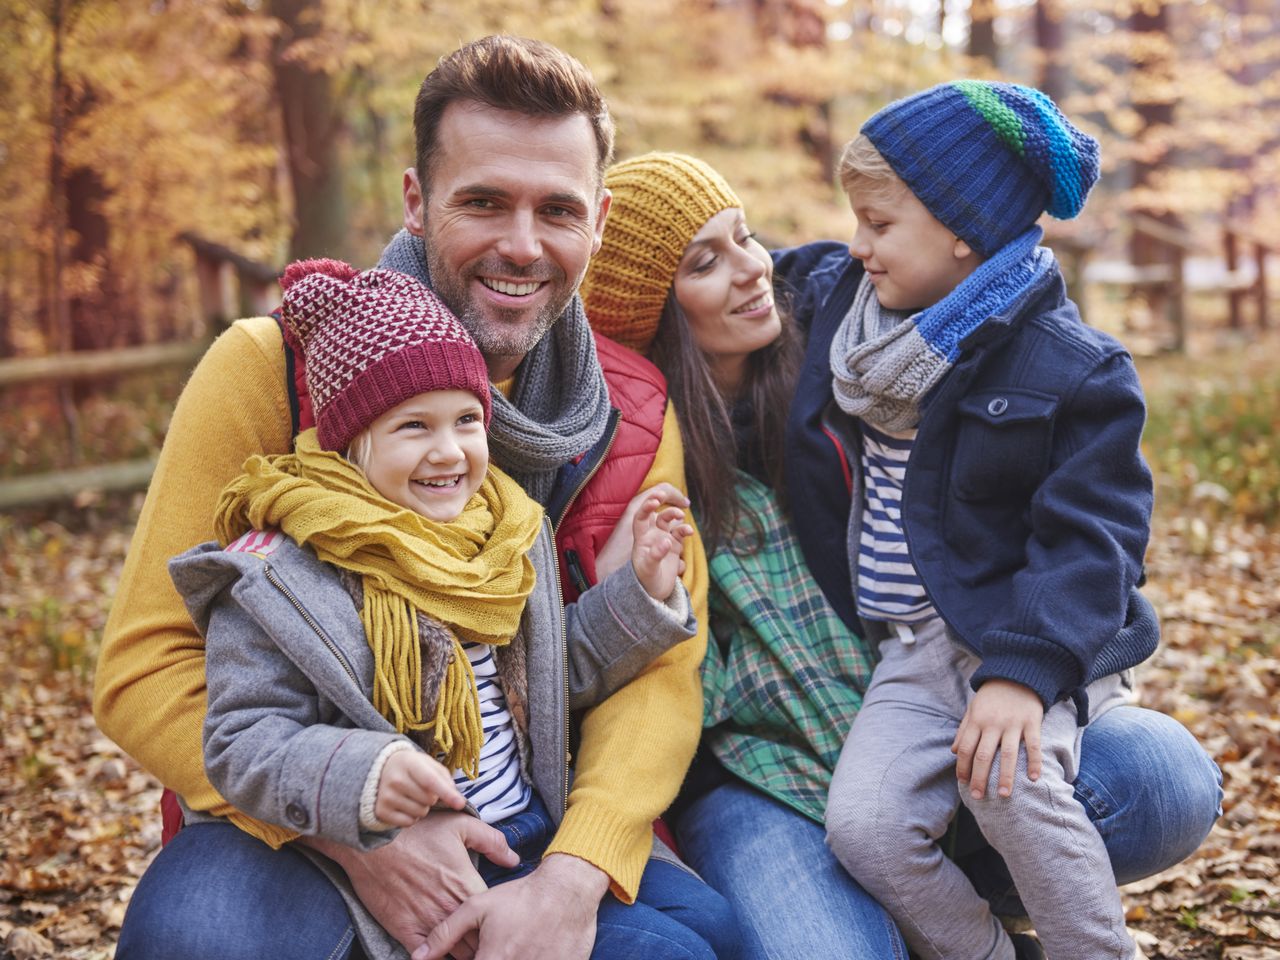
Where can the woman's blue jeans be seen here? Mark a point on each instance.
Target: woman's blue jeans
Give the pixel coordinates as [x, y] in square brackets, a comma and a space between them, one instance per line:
[216, 893]
[1148, 787]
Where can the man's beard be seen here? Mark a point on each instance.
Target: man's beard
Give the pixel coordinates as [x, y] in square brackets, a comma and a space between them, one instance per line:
[500, 332]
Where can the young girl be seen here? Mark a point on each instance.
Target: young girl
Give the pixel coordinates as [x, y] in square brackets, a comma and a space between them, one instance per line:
[383, 622]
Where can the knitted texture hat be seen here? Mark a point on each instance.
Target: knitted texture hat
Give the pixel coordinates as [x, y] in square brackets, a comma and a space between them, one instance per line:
[371, 341]
[986, 158]
[660, 200]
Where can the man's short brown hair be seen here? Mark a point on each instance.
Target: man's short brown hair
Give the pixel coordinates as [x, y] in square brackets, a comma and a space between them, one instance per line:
[510, 73]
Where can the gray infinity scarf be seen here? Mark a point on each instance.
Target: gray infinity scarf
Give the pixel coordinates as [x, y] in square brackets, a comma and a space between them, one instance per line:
[886, 361]
[559, 406]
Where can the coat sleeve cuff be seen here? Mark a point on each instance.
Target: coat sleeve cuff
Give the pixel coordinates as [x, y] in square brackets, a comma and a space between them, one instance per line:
[1049, 669]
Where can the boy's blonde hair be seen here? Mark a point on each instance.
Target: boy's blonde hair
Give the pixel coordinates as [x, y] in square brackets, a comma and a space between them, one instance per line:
[863, 167]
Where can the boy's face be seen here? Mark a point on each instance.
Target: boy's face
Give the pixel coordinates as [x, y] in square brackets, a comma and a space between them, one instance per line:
[911, 258]
[430, 453]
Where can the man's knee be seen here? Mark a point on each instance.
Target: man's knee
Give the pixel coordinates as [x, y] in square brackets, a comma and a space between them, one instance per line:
[220, 894]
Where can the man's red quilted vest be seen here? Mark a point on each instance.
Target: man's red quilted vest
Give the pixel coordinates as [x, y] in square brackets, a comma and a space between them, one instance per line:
[639, 391]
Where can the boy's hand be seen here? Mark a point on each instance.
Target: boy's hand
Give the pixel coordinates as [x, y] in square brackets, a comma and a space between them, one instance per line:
[411, 784]
[1001, 715]
[658, 534]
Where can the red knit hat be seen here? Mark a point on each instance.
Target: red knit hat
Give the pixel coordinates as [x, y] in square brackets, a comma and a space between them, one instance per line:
[371, 341]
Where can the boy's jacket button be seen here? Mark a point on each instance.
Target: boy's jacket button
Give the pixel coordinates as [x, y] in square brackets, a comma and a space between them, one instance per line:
[297, 816]
[997, 406]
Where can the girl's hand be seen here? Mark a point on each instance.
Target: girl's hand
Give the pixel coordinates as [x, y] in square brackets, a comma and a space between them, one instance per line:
[617, 549]
[658, 535]
[411, 784]
[1001, 715]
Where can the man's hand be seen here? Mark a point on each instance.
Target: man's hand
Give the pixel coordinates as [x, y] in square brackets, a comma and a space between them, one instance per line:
[548, 915]
[658, 534]
[617, 549]
[411, 784]
[423, 875]
[1001, 715]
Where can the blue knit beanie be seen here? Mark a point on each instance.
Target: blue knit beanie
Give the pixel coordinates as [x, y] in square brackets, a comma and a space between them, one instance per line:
[986, 158]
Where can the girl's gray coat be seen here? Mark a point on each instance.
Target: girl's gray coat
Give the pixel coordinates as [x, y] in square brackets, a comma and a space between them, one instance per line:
[291, 733]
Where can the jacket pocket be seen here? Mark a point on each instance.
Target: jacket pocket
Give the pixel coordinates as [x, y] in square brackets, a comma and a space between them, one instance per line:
[1004, 440]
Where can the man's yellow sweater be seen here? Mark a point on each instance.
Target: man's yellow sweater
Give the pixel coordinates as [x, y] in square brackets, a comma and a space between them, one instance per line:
[150, 690]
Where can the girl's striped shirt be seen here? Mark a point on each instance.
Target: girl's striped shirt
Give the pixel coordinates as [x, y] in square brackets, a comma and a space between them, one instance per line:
[500, 790]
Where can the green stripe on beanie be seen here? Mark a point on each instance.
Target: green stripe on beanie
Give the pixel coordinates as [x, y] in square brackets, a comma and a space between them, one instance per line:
[1003, 120]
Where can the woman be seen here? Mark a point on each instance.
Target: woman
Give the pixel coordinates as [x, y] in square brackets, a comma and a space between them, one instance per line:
[681, 279]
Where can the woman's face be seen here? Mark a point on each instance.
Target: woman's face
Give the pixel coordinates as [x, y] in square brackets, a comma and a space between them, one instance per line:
[724, 284]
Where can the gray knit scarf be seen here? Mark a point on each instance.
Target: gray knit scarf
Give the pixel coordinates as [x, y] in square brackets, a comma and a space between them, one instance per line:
[886, 361]
[559, 406]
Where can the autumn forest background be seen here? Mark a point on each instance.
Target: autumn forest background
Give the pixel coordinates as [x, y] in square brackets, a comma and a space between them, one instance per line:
[161, 160]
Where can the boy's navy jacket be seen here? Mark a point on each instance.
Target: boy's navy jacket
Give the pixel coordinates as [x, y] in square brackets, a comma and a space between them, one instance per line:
[1027, 502]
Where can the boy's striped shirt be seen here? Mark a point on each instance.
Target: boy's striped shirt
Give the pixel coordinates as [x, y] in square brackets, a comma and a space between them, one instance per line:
[889, 588]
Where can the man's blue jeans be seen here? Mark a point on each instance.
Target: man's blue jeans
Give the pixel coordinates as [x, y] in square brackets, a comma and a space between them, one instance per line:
[216, 893]
[1148, 787]
[675, 917]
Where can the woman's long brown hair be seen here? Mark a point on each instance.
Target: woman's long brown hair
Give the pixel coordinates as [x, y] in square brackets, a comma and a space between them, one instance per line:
[711, 449]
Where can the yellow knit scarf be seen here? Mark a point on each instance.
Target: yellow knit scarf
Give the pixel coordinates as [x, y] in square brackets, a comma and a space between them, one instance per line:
[473, 574]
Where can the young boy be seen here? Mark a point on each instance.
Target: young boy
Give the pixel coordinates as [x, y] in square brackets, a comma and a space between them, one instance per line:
[999, 522]
[381, 612]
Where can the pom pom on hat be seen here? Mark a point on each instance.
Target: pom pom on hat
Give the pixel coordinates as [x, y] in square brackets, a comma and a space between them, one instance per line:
[987, 158]
[303, 268]
[660, 201]
[371, 341]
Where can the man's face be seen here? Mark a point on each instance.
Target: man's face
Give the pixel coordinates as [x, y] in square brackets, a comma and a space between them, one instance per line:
[511, 216]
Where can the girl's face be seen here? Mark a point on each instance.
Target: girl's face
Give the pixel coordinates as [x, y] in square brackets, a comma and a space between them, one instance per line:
[724, 285]
[430, 453]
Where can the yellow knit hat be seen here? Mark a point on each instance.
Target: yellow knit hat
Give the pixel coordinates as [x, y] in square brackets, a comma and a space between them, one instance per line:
[660, 201]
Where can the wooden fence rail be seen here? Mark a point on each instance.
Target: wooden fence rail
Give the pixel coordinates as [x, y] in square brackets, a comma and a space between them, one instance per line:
[68, 484]
[89, 364]
[230, 285]
[25, 491]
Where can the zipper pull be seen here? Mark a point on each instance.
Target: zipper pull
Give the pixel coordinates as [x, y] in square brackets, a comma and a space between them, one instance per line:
[577, 575]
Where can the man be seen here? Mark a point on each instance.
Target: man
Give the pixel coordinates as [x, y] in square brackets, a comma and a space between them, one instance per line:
[502, 211]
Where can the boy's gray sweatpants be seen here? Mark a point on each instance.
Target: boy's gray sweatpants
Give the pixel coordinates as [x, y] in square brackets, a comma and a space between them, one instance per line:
[895, 791]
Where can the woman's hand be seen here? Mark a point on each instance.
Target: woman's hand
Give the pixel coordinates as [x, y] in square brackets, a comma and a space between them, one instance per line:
[1001, 715]
[411, 784]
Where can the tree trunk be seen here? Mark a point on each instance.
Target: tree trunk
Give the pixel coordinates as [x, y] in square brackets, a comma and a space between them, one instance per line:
[59, 312]
[6, 302]
[94, 313]
[1155, 114]
[312, 124]
[982, 31]
[1050, 31]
